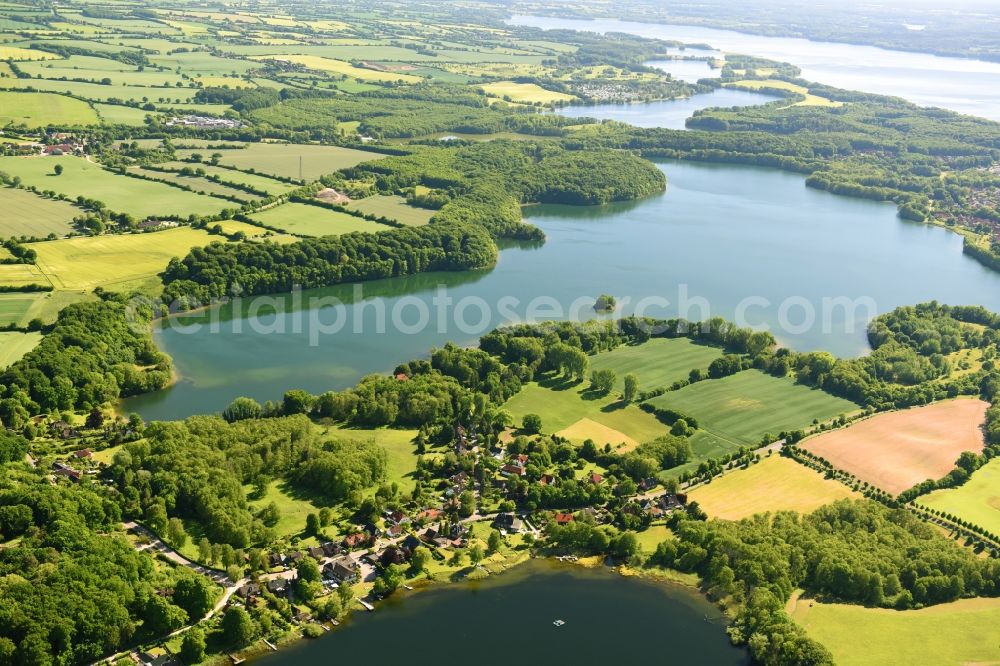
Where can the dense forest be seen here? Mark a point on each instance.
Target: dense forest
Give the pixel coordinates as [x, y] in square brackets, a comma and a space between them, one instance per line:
[94, 353]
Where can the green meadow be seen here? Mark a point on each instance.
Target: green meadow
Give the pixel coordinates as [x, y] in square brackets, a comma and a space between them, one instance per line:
[13, 346]
[306, 220]
[34, 216]
[742, 408]
[36, 109]
[953, 633]
[284, 159]
[395, 208]
[568, 408]
[140, 198]
[977, 500]
[657, 363]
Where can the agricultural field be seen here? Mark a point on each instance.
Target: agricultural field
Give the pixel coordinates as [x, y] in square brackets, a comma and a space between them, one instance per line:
[90, 261]
[774, 484]
[19, 275]
[897, 450]
[197, 184]
[742, 408]
[342, 68]
[13, 346]
[569, 410]
[657, 363]
[16, 53]
[140, 198]
[34, 216]
[256, 181]
[395, 208]
[524, 93]
[116, 114]
[14, 307]
[254, 232]
[977, 500]
[36, 109]
[19, 308]
[283, 159]
[960, 632]
[306, 220]
[98, 92]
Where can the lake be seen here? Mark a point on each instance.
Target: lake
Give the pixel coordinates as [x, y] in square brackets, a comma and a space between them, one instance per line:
[509, 618]
[960, 84]
[668, 113]
[745, 243]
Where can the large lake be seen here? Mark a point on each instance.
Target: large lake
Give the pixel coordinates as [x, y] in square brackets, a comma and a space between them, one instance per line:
[509, 619]
[735, 241]
[963, 85]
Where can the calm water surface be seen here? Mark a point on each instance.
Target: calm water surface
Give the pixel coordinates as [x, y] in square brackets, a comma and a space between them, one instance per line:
[963, 85]
[508, 620]
[670, 113]
[718, 236]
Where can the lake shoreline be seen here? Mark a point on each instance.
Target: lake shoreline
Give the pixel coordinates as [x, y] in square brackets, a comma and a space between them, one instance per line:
[664, 580]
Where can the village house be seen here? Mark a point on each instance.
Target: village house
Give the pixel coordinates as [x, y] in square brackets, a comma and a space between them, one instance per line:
[278, 586]
[509, 523]
[83, 454]
[343, 570]
[546, 480]
[563, 518]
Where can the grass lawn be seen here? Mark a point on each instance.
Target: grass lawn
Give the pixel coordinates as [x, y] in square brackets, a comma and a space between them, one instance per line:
[293, 509]
[657, 363]
[282, 159]
[395, 208]
[977, 500]
[306, 220]
[14, 345]
[961, 632]
[86, 262]
[743, 407]
[36, 109]
[28, 214]
[524, 93]
[566, 408]
[651, 537]
[397, 443]
[140, 198]
[774, 484]
[896, 450]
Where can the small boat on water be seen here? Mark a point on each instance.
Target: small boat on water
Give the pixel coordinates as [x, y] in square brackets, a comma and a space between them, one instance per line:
[559, 623]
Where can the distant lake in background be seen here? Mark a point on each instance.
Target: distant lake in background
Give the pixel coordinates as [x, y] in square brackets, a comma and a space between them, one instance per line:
[960, 84]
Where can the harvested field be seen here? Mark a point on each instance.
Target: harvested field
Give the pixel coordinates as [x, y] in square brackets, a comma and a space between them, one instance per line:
[898, 450]
[774, 484]
[585, 429]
